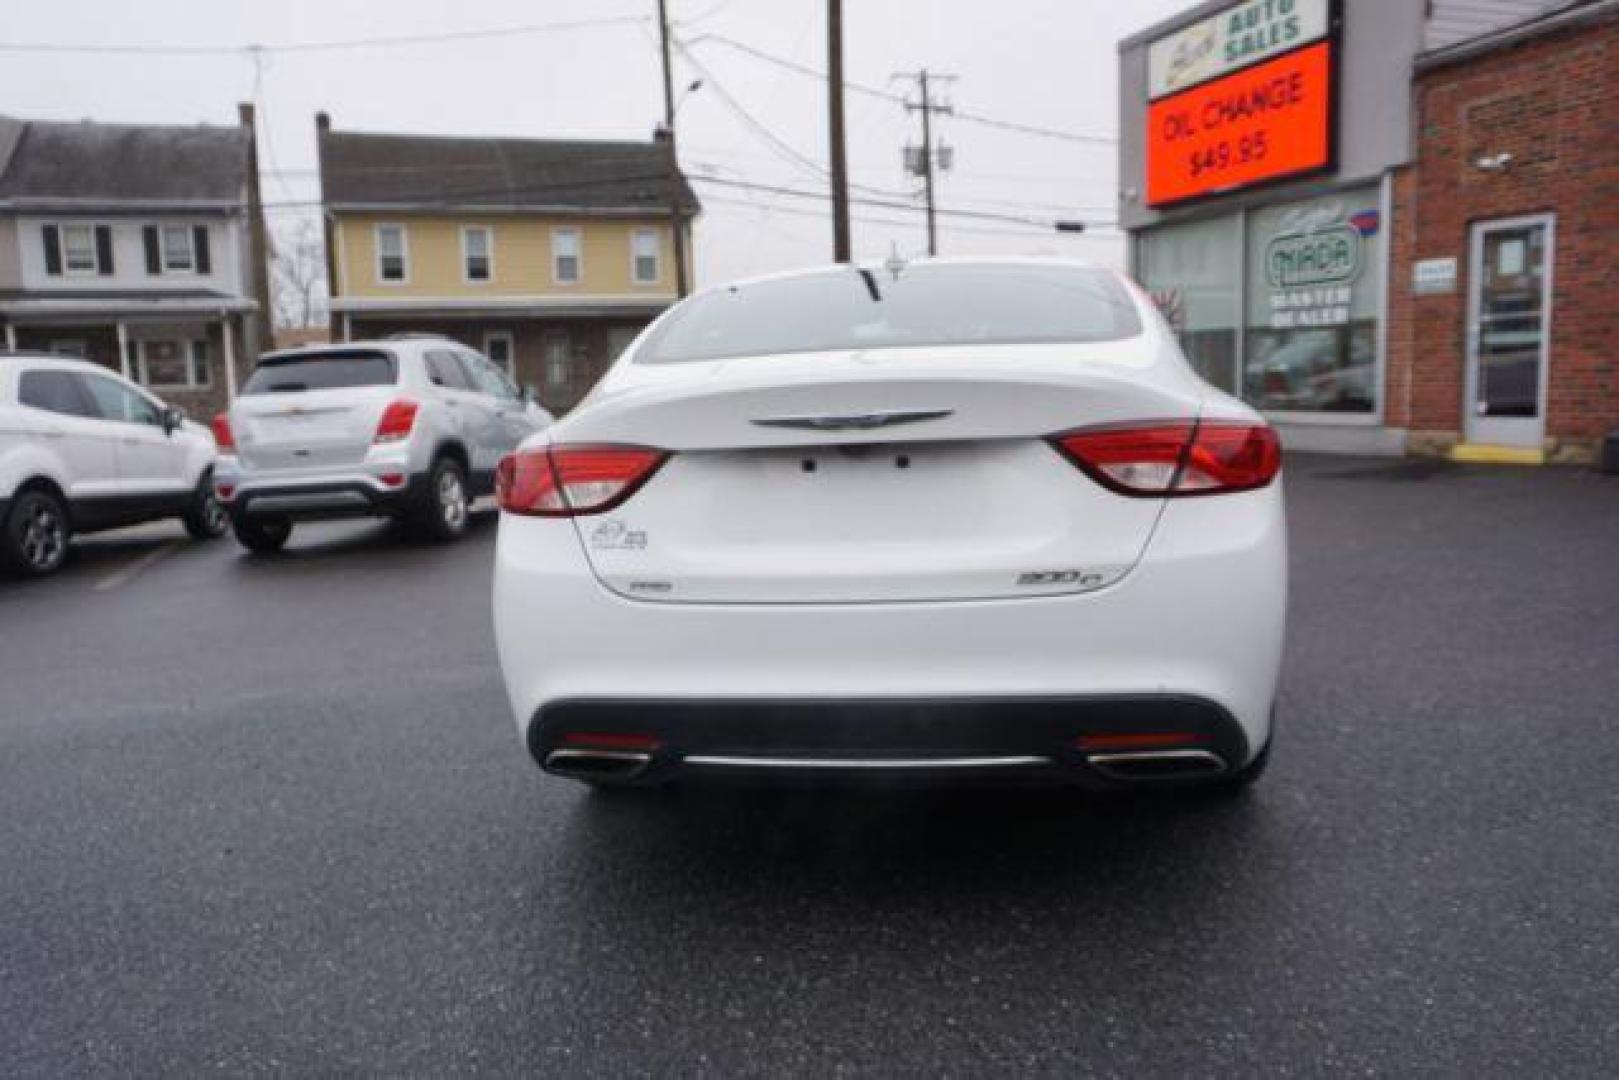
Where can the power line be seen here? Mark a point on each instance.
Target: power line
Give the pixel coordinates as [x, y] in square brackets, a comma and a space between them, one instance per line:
[460, 199]
[704, 16]
[799, 193]
[868, 219]
[320, 46]
[783, 149]
[872, 91]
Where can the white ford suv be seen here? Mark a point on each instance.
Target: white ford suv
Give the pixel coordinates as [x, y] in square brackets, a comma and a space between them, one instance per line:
[82, 449]
[409, 428]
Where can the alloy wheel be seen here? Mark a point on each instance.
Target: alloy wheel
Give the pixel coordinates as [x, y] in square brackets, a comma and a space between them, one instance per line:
[452, 500]
[214, 514]
[44, 536]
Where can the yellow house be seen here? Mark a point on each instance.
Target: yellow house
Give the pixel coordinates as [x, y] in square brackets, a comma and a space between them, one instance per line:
[547, 255]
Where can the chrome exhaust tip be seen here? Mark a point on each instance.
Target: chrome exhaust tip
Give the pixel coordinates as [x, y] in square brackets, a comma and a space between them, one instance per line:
[1137, 766]
[598, 764]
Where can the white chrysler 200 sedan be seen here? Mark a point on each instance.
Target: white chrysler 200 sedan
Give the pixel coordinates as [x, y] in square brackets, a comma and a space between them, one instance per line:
[948, 519]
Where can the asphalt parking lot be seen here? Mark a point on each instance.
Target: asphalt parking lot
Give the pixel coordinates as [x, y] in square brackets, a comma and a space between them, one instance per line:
[272, 815]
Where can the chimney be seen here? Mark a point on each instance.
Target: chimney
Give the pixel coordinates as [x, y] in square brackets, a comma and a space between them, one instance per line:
[323, 122]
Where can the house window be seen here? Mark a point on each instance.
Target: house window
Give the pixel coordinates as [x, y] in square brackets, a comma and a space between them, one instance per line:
[477, 248]
[391, 253]
[178, 254]
[172, 363]
[565, 259]
[645, 256]
[500, 347]
[557, 350]
[79, 249]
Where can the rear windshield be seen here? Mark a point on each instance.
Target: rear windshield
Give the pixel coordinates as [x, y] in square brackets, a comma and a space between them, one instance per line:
[850, 308]
[321, 371]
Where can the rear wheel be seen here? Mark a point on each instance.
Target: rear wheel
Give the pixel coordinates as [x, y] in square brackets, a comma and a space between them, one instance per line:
[34, 536]
[262, 535]
[206, 519]
[445, 504]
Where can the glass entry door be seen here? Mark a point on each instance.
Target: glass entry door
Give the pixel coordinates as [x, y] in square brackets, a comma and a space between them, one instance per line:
[1509, 324]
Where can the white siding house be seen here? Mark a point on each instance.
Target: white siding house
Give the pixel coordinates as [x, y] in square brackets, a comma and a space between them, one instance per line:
[129, 245]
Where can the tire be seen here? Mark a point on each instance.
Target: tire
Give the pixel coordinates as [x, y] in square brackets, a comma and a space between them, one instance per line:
[34, 537]
[207, 518]
[444, 509]
[262, 535]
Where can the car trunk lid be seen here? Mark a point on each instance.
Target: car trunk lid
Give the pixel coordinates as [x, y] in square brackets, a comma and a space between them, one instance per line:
[848, 477]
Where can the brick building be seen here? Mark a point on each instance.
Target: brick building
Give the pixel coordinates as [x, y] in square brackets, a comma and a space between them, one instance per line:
[1517, 142]
[1392, 227]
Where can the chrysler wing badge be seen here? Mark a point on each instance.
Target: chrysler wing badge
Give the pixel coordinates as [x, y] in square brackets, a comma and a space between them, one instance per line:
[854, 421]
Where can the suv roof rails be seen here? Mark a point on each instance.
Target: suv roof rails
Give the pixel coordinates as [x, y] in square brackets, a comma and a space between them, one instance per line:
[415, 335]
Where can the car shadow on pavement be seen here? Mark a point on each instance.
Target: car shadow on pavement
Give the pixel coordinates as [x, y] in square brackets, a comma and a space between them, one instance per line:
[99, 554]
[983, 895]
[321, 541]
[944, 840]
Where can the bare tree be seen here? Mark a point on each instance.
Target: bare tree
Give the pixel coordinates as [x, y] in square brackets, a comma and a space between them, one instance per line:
[298, 274]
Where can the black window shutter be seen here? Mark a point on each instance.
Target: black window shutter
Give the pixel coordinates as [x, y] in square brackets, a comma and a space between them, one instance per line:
[200, 242]
[153, 265]
[104, 250]
[53, 252]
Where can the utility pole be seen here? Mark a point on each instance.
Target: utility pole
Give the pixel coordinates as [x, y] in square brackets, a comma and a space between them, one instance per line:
[924, 161]
[840, 168]
[676, 217]
[259, 330]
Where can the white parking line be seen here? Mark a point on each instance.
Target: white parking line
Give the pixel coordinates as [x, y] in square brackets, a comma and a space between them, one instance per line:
[126, 574]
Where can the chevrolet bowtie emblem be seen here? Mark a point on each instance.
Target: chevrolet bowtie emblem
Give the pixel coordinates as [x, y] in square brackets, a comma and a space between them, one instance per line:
[854, 421]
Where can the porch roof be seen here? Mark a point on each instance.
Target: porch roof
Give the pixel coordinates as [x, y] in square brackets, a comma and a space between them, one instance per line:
[110, 304]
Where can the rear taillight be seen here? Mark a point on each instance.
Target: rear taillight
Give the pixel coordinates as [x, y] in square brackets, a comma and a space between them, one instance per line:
[1176, 459]
[224, 438]
[397, 420]
[562, 481]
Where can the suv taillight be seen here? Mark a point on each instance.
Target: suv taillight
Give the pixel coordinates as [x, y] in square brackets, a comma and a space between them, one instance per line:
[224, 438]
[397, 420]
[563, 481]
[1191, 458]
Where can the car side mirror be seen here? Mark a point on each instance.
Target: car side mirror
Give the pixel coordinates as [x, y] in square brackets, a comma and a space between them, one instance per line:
[173, 417]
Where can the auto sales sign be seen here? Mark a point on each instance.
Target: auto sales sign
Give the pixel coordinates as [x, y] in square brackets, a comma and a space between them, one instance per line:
[1241, 97]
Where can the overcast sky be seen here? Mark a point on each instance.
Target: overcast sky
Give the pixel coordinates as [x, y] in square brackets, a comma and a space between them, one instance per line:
[1045, 63]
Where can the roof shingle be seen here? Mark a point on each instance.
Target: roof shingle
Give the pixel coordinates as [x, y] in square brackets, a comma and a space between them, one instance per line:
[414, 171]
[114, 163]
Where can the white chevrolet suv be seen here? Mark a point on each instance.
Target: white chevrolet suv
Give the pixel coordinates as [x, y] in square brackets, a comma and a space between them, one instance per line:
[409, 428]
[82, 449]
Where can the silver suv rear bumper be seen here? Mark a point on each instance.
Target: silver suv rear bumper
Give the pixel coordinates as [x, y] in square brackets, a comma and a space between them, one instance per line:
[351, 495]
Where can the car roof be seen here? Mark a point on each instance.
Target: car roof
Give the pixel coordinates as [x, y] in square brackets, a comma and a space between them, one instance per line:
[49, 359]
[393, 344]
[884, 266]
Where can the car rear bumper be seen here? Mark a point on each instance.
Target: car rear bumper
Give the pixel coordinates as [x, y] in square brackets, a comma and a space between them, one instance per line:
[308, 493]
[1093, 741]
[328, 500]
[1201, 617]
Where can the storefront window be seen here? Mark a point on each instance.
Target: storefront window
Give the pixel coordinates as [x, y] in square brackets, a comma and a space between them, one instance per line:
[1192, 273]
[1313, 277]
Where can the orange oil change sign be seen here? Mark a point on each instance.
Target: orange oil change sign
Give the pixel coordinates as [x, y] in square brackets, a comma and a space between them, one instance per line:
[1273, 119]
